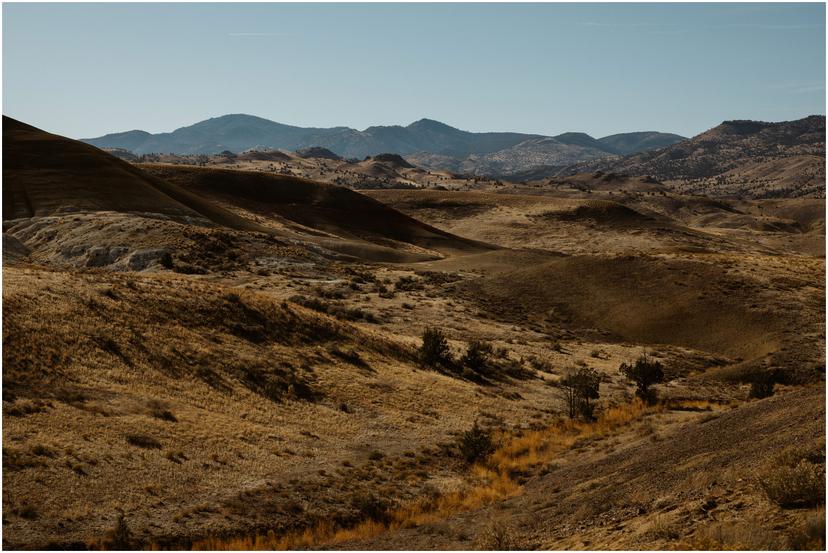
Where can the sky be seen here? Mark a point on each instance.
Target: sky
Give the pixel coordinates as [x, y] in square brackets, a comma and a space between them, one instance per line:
[83, 70]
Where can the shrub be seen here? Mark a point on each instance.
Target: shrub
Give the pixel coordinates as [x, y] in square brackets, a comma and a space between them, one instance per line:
[350, 356]
[644, 373]
[27, 512]
[159, 411]
[801, 485]
[761, 384]
[371, 507]
[408, 284]
[165, 415]
[477, 356]
[476, 444]
[337, 310]
[120, 537]
[435, 348]
[662, 528]
[142, 440]
[579, 389]
[497, 536]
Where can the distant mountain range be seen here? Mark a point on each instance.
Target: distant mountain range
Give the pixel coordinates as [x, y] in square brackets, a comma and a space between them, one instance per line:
[426, 142]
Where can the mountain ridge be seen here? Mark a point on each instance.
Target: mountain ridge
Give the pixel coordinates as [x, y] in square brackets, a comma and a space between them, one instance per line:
[737, 157]
[240, 132]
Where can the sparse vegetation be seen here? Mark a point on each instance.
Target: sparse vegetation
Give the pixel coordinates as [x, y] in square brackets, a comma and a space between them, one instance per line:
[497, 536]
[580, 387]
[793, 479]
[434, 350]
[335, 309]
[645, 372]
[408, 284]
[298, 417]
[144, 441]
[477, 356]
[120, 537]
[371, 507]
[748, 535]
[476, 444]
[762, 384]
[810, 535]
[662, 528]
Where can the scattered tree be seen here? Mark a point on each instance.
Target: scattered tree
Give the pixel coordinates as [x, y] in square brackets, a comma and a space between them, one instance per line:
[579, 389]
[476, 444]
[477, 355]
[644, 373]
[435, 348]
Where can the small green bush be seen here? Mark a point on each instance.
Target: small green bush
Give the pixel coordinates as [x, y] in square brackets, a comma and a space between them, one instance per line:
[435, 348]
[579, 388]
[476, 444]
[477, 356]
[644, 373]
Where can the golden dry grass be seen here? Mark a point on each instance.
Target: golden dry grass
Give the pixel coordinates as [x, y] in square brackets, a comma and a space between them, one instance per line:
[487, 483]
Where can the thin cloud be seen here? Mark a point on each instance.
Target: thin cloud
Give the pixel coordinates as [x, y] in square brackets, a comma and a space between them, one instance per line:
[673, 28]
[806, 89]
[734, 26]
[601, 24]
[257, 34]
[798, 87]
[768, 27]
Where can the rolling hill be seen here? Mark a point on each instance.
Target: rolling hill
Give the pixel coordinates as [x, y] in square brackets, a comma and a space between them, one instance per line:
[57, 192]
[737, 158]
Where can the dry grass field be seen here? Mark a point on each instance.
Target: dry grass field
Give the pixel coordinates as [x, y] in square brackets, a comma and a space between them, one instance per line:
[213, 358]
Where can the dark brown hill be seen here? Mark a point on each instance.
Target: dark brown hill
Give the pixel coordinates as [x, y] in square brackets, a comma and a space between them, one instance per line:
[321, 206]
[46, 174]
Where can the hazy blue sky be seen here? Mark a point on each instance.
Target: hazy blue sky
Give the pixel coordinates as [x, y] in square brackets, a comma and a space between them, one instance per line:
[87, 69]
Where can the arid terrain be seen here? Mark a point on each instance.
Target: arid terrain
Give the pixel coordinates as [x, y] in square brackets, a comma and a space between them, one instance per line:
[230, 350]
